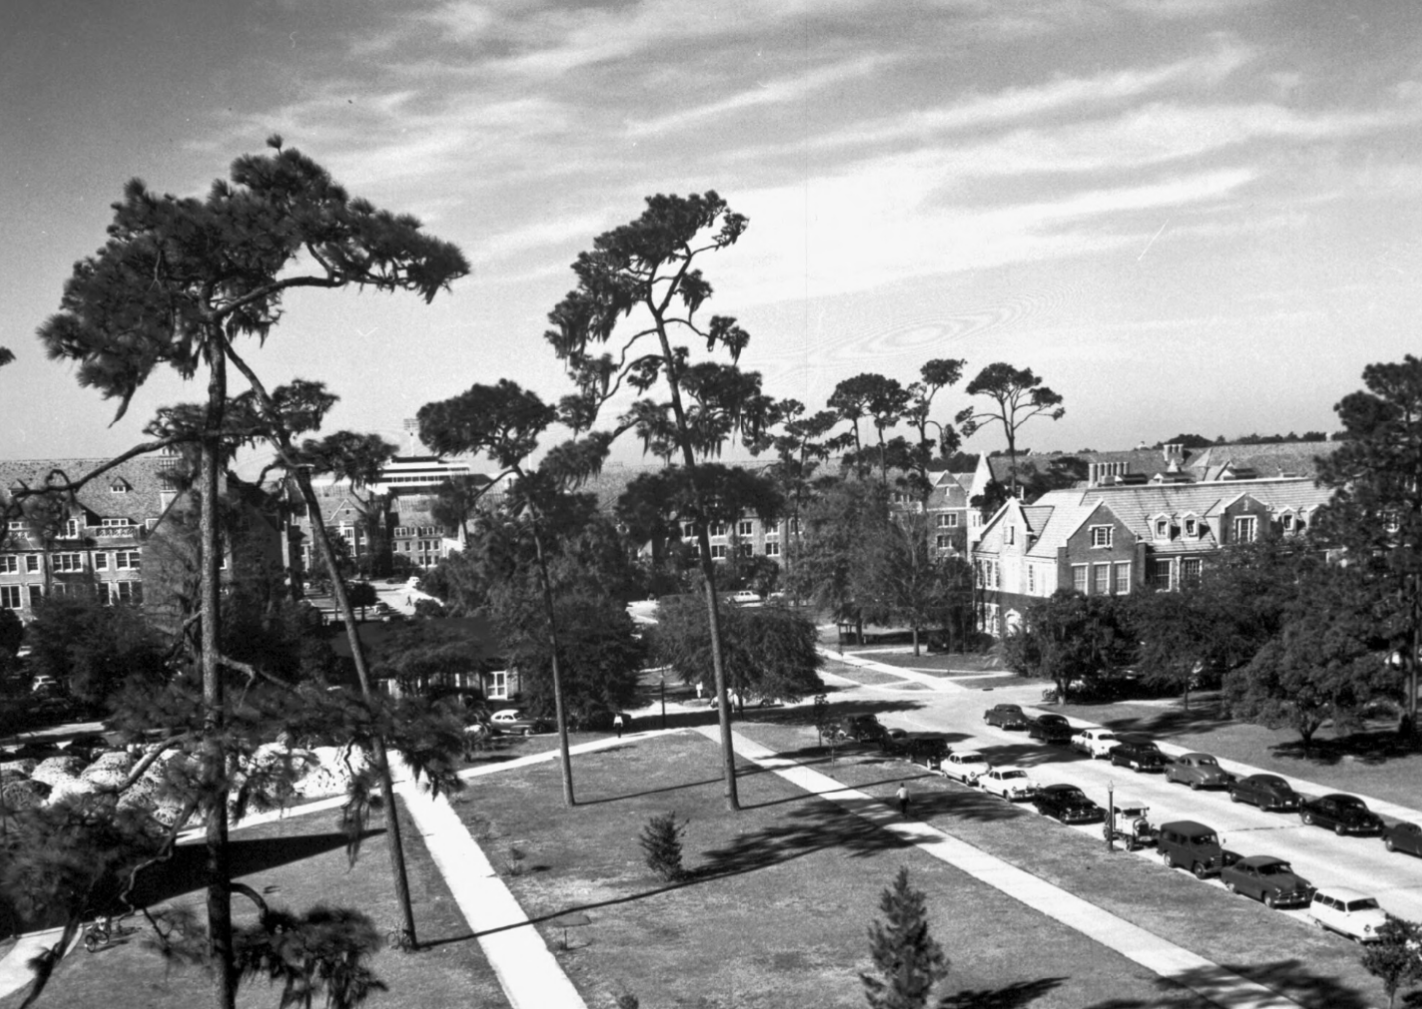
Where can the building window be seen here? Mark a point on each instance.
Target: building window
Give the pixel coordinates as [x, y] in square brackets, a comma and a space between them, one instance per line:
[128, 560]
[948, 520]
[101, 562]
[1190, 572]
[1101, 535]
[1121, 583]
[72, 528]
[1192, 528]
[717, 529]
[16, 526]
[32, 563]
[1031, 579]
[35, 596]
[499, 684]
[794, 527]
[718, 551]
[1101, 579]
[1244, 528]
[745, 549]
[1011, 535]
[745, 527]
[772, 549]
[1078, 578]
[1162, 529]
[9, 597]
[1287, 522]
[68, 562]
[1160, 575]
[9, 564]
[944, 542]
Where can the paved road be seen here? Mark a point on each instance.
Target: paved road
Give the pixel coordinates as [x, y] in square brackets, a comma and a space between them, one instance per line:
[1358, 862]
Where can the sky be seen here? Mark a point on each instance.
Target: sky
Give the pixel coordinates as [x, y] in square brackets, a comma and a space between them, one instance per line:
[1186, 216]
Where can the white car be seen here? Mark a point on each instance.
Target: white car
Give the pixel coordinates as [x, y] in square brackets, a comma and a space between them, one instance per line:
[506, 715]
[1097, 743]
[1012, 783]
[746, 597]
[1347, 912]
[966, 766]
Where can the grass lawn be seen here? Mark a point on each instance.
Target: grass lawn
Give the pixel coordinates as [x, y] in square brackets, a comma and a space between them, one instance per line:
[299, 862]
[1301, 962]
[1359, 763]
[775, 910]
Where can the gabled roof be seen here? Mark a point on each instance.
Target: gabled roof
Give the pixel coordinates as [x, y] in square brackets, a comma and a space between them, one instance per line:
[144, 477]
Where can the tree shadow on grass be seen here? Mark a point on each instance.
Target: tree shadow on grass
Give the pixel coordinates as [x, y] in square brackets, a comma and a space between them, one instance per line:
[742, 771]
[1013, 996]
[1289, 978]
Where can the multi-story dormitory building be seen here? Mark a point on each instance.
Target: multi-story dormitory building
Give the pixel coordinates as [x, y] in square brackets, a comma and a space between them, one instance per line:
[1126, 531]
[94, 544]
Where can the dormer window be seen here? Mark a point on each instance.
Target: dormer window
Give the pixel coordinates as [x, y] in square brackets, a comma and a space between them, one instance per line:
[1191, 526]
[1244, 529]
[1162, 528]
[118, 487]
[1288, 523]
[1101, 536]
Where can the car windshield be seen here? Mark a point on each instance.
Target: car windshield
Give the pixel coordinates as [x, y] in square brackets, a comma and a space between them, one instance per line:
[1351, 803]
[1202, 839]
[1366, 904]
[1275, 869]
[1012, 774]
[1071, 793]
[970, 758]
[1206, 762]
[1105, 735]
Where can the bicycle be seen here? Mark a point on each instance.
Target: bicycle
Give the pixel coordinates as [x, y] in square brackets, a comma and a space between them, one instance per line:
[107, 932]
[398, 937]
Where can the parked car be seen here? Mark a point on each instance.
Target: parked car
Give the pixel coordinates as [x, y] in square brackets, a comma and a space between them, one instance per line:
[1011, 783]
[1198, 770]
[1189, 844]
[929, 749]
[863, 728]
[964, 765]
[1267, 791]
[1006, 716]
[1131, 824]
[1051, 729]
[515, 722]
[1347, 912]
[1138, 754]
[1343, 814]
[745, 597]
[1403, 837]
[1096, 743]
[1267, 879]
[1067, 803]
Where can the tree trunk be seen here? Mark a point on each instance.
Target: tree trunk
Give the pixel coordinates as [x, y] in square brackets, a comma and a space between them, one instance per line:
[214, 770]
[915, 642]
[559, 710]
[382, 761]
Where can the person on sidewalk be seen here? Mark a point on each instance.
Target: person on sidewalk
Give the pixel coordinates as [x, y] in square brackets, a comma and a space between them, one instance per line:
[903, 796]
[617, 724]
[700, 689]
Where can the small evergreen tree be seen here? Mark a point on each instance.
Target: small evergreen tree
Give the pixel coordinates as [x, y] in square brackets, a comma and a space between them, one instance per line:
[661, 842]
[906, 956]
[1394, 958]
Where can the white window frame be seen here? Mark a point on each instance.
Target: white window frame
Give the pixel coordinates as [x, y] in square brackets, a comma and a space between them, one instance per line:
[718, 551]
[10, 597]
[67, 561]
[772, 548]
[9, 564]
[101, 562]
[128, 560]
[32, 563]
[499, 685]
[1121, 578]
[1101, 579]
[745, 527]
[1098, 534]
[1009, 535]
[1081, 578]
[1242, 523]
[1162, 529]
[1191, 527]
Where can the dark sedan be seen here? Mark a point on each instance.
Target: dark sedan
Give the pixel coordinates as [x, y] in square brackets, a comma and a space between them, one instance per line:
[1050, 729]
[1068, 804]
[1404, 837]
[1138, 755]
[1267, 879]
[1267, 791]
[1343, 814]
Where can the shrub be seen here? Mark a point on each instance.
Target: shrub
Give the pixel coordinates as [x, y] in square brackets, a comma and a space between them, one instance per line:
[661, 843]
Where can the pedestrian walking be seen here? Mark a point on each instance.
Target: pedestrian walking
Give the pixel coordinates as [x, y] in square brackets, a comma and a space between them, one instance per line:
[700, 689]
[903, 796]
[617, 724]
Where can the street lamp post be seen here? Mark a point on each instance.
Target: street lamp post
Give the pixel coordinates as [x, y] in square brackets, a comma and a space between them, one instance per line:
[1110, 826]
[664, 700]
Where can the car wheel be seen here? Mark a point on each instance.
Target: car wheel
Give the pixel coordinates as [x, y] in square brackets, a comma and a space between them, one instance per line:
[1307, 818]
[1339, 829]
[1199, 871]
[1387, 843]
[1168, 859]
[1271, 900]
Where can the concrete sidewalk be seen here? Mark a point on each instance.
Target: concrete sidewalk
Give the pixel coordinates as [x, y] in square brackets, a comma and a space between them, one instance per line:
[1220, 986]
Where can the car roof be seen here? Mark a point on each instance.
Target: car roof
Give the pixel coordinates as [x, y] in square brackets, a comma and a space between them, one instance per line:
[1187, 827]
[1352, 800]
[1268, 779]
[1195, 756]
[1345, 893]
[967, 753]
[1124, 804]
[1258, 860]
[1062, 786]
[1010, 767]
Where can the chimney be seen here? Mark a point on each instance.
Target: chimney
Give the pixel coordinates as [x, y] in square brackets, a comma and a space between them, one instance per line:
[412, 431]
[1174, 456]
